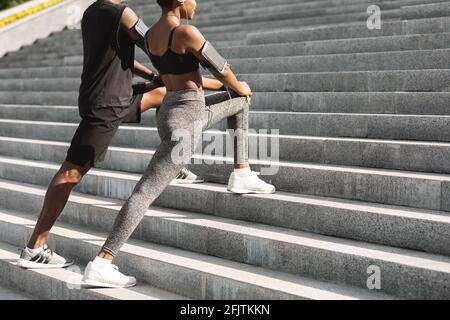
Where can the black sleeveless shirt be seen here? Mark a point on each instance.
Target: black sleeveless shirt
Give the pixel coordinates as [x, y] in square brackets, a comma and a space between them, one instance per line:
[108, 57]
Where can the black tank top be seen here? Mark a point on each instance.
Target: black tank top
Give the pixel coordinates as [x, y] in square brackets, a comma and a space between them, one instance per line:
[174, 63]
[108, 58]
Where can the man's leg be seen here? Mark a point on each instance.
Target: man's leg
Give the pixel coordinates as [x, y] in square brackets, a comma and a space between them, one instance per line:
[37, 254]
[89, 145]
[159, 173]
[58, 192]
[153, 99]
[68, 176]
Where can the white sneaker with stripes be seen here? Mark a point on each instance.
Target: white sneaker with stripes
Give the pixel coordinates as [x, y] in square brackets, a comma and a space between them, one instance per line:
[45, 259]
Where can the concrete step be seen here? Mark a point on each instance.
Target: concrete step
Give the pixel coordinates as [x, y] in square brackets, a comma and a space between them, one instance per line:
[216, 32]
[357, 45]
[298, 34]
[401, 42]
[435, 80]
[318, 257]
[396, 60]
[280, 11]
[16, 105]
[234, 31]
[40, 98]
[393, 187]
[372, 126]
[350, 30]
[395, 226]
[254, 9]
[361, 81]
[320, 123]
[334, 86]
[342, 18]
[52, 51]
[217, 10]
[369, 153]
[428, 10]
[6, 293]
[64, 284]
[304, 8]
[216, 5]
[416, 103]
[75, 46]
[198, 276]
[353, 125]
[301, 33]
[272, 17]
[252, 3]
[321, 47]
[277, 12]
[204, 10]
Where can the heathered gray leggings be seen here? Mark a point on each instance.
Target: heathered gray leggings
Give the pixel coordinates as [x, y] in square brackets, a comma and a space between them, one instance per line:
[188, 111]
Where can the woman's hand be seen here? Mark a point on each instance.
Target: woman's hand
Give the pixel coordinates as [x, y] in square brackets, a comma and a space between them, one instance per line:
[245, 91]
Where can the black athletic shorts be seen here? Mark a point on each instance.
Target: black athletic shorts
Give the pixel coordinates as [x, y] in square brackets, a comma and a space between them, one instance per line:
[97, 128]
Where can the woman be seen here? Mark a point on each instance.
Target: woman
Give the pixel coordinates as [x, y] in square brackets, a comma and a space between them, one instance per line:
[176, 51]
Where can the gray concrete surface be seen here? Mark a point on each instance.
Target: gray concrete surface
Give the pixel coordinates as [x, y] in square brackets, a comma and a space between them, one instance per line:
[363, 174]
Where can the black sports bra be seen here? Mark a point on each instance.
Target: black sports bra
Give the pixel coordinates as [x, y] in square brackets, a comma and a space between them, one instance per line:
[174, 63]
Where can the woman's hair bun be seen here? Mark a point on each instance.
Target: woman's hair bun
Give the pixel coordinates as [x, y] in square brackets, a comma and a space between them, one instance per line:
[164, 3]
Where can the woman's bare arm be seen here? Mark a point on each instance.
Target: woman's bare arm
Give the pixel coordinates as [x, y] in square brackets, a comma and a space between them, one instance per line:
[212, 84]
[194, 43]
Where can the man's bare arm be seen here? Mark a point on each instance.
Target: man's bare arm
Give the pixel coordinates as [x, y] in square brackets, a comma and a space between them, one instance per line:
[135, 27]
[128, 21]
[143, 72]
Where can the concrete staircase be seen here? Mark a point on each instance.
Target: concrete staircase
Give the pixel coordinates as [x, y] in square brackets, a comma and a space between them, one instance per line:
[364, 173]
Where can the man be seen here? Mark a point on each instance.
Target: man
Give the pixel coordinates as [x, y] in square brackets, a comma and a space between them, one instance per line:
[106, 100]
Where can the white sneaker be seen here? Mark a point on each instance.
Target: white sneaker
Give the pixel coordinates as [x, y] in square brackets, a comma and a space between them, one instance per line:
[187, 177]
[106, 276]
[249, 184]
[45, 259]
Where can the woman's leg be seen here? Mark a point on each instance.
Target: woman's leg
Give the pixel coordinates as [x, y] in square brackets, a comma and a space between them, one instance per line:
[161, 170]
[236, 111]
[153, 100]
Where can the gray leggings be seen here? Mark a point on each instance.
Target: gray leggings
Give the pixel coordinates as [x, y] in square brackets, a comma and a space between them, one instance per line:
[186, 110]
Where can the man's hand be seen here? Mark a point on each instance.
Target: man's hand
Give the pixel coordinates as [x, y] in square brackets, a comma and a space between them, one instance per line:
[143, 72]
[157, 79]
